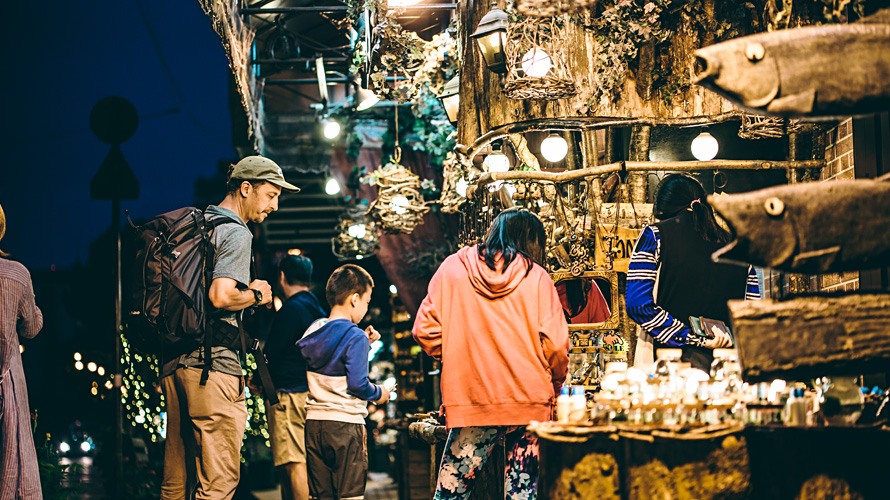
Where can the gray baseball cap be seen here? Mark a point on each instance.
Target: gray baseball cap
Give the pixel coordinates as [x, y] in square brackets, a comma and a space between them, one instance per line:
[260, 168]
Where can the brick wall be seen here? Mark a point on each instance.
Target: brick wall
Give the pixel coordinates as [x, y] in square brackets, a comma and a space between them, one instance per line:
[839, 157]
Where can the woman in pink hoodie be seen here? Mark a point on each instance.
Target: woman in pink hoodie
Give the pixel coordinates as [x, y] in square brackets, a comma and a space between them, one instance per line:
[494, 319]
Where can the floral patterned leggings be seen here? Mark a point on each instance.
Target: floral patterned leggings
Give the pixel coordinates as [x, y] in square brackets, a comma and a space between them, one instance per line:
[466, 451]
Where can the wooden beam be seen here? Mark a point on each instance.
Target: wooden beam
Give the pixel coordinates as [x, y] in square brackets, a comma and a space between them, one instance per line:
[812, 336]
[642, 166]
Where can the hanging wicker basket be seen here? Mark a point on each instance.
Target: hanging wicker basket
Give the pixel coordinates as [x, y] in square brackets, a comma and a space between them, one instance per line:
[765, 127]
[536, 59]
[399, 206]
[357, 235]
[549, 8]
[452, 200]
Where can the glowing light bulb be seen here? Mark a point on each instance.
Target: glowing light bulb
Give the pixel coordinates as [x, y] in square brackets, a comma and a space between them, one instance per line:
[64, 447]
[705, 147]
[100, 371]
[554, 148]
[398, 205]
[91, 366]
[497, 162]
[357, 231]
[331, 129]
[78, 365]
[393, 290]
[536, 63]
[76, 356]
[332, 187]
[461, 187]
[495, 39]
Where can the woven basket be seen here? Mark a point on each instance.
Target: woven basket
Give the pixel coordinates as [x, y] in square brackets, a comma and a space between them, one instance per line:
[535, 46]
[396, 181]
[764, 127]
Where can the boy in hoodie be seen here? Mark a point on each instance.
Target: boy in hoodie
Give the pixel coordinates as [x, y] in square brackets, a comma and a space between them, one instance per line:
[336, 353]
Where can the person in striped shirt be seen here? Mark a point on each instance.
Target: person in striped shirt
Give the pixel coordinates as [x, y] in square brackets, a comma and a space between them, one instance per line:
[20, 318]
[672, 261]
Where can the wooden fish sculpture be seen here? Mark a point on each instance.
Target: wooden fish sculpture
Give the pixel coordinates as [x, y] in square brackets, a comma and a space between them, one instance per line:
[816, 73]
[809, 228]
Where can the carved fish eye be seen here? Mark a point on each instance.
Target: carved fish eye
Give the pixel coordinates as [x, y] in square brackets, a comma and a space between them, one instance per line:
[774, 206]
[754, 52]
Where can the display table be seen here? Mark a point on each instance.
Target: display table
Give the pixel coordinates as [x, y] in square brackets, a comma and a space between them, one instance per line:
[636, 462]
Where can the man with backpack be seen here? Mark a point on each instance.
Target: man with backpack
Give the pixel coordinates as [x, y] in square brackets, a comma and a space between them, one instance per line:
[206, 412]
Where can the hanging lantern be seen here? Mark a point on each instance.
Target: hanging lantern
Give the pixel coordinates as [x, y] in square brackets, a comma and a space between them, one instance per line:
[454, 185]
[399, 206]
[491, 37]
[357, 235]
[450, 98]
[536, 60]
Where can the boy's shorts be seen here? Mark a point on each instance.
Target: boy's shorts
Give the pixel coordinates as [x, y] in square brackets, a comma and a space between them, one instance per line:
[337, 459]
[287, 420]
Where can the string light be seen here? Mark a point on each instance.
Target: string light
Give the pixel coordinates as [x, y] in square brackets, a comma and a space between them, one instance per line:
[144, 404]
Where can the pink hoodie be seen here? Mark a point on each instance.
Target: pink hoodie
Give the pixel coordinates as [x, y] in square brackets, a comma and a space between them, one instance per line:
[502, 339]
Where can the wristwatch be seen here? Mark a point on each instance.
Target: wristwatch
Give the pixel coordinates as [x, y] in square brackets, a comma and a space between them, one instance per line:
[257, 296]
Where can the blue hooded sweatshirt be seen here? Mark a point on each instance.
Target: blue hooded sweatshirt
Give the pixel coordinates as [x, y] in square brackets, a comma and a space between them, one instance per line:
[336, 355]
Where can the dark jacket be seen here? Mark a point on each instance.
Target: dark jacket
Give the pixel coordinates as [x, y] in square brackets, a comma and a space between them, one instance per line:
[286, 364]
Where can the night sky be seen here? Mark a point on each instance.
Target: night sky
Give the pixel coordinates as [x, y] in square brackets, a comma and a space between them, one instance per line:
[61, 58]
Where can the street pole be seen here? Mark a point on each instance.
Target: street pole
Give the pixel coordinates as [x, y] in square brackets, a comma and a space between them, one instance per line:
[118, 372]
[114, 120]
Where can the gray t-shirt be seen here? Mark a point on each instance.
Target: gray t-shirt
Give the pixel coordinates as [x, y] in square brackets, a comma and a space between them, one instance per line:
[232, 248]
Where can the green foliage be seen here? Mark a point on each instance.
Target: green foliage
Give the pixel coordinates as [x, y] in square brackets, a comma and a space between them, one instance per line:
[431, 131]
[621, 29]
[53, 475]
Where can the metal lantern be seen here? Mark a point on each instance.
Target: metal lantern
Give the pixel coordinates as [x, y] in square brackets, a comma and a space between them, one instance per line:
[450, 98]
[491, 36]
[536, 57]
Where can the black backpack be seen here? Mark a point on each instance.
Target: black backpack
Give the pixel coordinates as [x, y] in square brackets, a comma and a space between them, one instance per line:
[171, 310]
[173, 270]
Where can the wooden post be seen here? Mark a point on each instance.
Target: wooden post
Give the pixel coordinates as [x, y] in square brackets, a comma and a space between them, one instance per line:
[812, 336]
[638, 182]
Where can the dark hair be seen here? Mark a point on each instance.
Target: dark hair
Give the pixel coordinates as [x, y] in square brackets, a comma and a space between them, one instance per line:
[515, 231]
[297, 270]
[345, 281]
[234, 185]
[677, 192]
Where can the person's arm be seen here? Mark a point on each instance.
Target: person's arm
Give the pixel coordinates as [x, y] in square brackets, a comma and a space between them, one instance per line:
[30, 319]
[427, 329]
[640, 301]
[357, 382]
[231, 270]
[752, 287]
[226, 294]
[554, 332]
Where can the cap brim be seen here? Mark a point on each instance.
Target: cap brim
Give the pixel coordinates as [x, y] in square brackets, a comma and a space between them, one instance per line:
[284, 185]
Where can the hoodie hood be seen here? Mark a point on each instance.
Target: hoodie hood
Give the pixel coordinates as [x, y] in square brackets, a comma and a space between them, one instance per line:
[492, 284]
[322, 341]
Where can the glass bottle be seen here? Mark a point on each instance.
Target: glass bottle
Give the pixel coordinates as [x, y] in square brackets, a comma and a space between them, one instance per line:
[842, 402]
